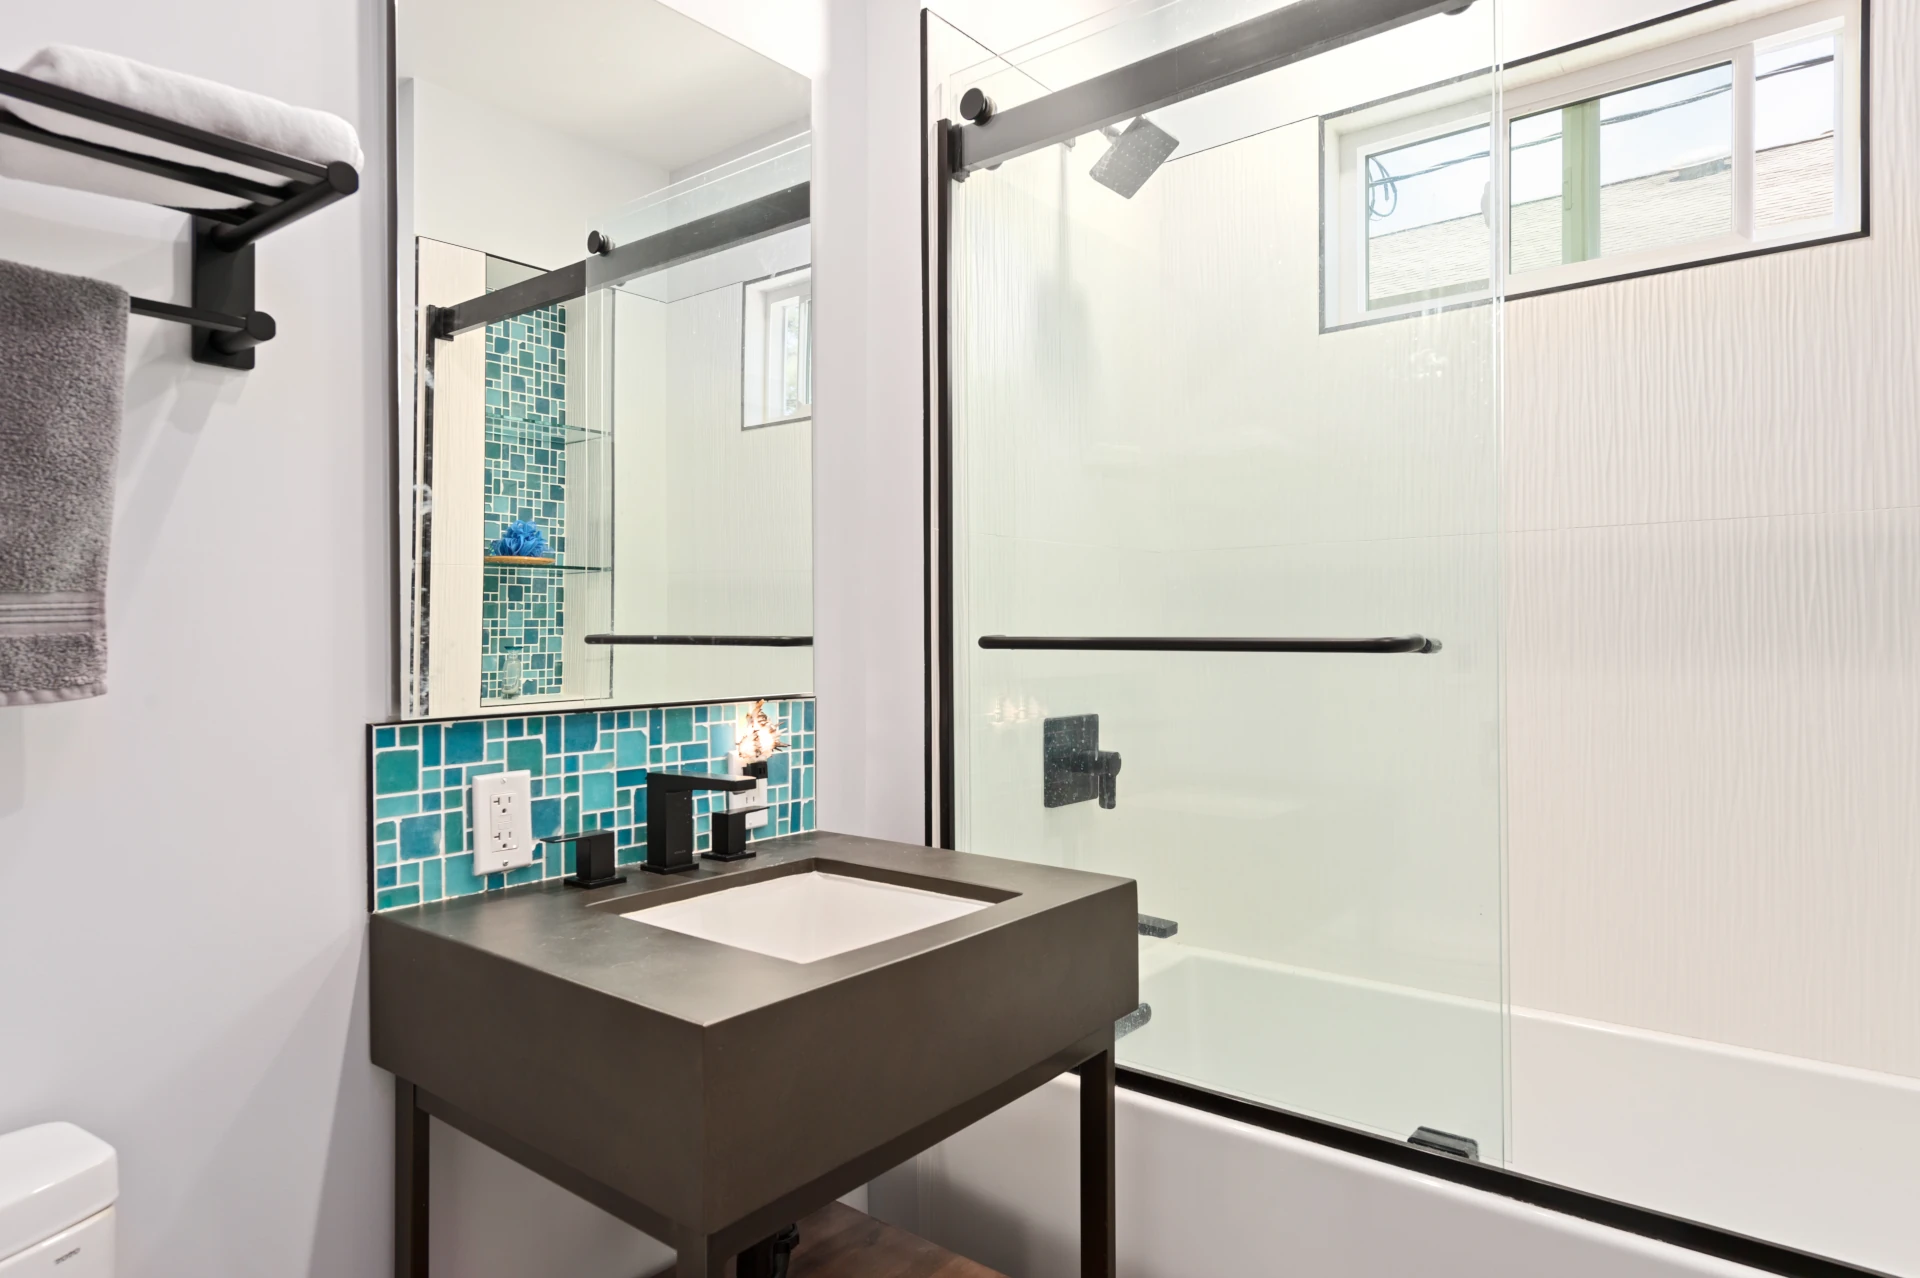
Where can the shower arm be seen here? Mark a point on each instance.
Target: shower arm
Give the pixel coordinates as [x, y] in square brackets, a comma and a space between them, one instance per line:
[1381, 645]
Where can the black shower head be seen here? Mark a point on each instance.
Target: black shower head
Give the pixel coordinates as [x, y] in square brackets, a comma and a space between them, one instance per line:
[1133, 156]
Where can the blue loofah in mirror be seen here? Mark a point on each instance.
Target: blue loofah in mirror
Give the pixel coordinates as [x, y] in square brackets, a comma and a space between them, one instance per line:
[522, 540]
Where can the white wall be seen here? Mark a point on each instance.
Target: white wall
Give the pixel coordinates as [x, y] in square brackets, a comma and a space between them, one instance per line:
[489, 179]
[182, 861]
[791, 32]
[869, 412]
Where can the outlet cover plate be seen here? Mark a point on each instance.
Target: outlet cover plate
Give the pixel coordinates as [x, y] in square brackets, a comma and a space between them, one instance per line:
[502, 821]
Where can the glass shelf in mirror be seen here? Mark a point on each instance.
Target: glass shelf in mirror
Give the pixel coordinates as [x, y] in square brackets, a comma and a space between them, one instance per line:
[516, 564]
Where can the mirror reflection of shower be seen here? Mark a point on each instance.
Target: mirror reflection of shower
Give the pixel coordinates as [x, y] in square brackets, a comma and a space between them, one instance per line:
[525, 411]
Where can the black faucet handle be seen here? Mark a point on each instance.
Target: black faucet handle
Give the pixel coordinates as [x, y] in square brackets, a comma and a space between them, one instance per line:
[1106, 765]
[687, 782]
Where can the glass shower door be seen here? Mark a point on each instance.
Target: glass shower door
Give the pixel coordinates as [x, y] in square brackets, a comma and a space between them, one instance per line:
[699, 353]
[1226, 582]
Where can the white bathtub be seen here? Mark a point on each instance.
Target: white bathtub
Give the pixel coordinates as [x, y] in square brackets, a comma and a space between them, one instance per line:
[1810, 1155]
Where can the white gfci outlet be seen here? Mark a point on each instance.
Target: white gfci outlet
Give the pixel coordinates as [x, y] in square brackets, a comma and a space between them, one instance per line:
[502, 821]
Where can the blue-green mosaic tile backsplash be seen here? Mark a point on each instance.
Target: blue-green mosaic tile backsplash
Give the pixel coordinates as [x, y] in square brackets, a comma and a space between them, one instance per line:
[589, 773]
[523, 610]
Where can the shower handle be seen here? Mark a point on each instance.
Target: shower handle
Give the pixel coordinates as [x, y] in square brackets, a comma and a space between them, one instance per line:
[1073, 767]
[1106, 767]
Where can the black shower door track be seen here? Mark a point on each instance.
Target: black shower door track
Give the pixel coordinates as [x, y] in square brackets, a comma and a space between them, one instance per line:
[1677, 1231]
[744, 223]
[1293, 33]
[949, 153]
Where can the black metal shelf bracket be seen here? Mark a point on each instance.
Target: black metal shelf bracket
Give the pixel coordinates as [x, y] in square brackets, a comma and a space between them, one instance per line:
[226, 327]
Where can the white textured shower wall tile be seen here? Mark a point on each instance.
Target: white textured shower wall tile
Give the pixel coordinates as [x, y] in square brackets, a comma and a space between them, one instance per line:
[1777, 385]
[1713, 741]
[1712, 714]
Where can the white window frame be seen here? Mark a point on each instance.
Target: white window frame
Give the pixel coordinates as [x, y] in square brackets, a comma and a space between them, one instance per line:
[1539, 85]
[758, 353]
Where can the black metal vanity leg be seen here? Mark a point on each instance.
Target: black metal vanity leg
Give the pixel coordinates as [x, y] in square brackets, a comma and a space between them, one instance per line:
[1098, 1253]
[695, 1256]
[410, 1163]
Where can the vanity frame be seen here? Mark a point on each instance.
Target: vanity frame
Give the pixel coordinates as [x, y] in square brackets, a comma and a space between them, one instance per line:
[703, 1255]
[710, 1096]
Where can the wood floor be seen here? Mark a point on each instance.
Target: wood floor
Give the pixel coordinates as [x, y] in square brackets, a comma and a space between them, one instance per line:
[839, 1242]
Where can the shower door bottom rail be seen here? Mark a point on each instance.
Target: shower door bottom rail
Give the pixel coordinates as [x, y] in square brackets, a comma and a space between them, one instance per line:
[1381, 645]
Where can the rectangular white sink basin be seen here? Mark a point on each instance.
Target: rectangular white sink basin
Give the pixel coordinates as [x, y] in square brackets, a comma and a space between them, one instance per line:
[807, 917]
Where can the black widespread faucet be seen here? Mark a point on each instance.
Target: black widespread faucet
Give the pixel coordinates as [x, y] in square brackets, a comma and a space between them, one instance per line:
[670, 816]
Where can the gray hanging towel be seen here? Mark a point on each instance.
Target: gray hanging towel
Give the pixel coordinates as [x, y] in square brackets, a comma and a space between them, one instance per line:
[63, 354]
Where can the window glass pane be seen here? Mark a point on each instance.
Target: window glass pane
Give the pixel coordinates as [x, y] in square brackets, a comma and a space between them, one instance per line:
[805, 394]
[1795, 103]
[1638, 169]
[790, 357]
[1666, 161]
[1427, 233]
[1536, 176]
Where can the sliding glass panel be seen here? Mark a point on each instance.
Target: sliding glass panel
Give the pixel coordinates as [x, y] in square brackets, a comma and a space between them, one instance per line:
[1163, 427]
[1640, 169]
[547, 502]
[512, 499]
[700, 337]
[1796, 160]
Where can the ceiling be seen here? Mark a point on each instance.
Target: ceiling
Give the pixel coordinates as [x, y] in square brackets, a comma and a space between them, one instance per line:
[631, 76]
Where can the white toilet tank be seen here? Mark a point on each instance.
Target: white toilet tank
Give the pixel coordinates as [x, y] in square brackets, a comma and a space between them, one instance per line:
[57, 1188]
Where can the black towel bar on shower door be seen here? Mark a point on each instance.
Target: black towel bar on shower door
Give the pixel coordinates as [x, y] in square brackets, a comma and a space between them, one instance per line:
[1136, 643]
[708, 641]
[225, 325]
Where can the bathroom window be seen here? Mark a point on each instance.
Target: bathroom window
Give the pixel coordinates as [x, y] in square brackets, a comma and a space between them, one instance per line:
[777, 359]
[1629, 155]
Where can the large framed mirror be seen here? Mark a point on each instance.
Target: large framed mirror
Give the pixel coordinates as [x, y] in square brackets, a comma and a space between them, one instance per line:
[604, 327]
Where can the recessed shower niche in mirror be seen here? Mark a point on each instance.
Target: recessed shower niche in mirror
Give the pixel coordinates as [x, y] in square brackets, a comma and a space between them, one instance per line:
[605, 328]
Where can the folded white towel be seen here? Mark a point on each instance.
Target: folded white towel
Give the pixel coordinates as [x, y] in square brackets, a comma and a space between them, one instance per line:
[300, 132]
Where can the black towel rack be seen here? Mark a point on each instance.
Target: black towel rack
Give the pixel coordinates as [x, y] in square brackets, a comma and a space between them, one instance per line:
[1383, 644]
[226, 327]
